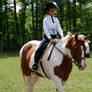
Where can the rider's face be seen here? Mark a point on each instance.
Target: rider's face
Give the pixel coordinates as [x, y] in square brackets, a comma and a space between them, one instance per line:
[51, 11]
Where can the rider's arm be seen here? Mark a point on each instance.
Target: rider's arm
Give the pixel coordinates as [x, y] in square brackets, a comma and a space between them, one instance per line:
[59, 29]
[45, 27]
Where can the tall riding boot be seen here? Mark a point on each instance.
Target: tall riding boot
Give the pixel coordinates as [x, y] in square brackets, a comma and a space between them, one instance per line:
[36, 62]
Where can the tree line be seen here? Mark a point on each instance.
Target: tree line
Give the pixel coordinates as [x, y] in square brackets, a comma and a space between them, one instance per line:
[22, 20]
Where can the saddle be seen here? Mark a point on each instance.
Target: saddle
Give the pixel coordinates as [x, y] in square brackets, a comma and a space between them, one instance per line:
[47, 45]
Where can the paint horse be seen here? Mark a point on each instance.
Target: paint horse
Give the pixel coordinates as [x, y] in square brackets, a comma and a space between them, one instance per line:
[58, 68]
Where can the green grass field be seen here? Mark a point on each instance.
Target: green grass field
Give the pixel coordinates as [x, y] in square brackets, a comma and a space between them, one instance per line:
[11, 79]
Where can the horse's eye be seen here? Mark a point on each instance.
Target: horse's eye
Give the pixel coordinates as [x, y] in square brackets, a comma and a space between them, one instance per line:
[75, 49]
[85, 48]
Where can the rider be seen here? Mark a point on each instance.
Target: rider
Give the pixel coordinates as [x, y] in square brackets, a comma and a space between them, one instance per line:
[51, 25]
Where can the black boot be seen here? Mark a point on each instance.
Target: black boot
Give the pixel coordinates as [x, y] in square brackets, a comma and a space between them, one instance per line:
[36, 61]
[35, 67]
[38, 55]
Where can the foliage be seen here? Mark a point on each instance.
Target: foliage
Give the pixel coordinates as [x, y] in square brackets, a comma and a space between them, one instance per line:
[74, 16]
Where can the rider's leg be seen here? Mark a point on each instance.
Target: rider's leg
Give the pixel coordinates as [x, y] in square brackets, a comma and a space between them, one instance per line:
[40, 50]
[39, 53]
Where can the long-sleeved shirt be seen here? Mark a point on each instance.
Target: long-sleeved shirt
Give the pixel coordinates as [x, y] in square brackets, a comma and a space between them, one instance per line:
[51, 28]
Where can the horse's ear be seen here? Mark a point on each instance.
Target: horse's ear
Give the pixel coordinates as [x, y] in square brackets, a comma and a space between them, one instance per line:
[69, 34]
[76, 37]
[87, 37]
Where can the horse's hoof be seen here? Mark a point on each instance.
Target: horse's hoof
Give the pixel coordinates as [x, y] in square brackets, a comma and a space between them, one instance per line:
[56, 90]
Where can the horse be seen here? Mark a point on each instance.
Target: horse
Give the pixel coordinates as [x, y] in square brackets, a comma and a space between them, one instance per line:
[70, 49]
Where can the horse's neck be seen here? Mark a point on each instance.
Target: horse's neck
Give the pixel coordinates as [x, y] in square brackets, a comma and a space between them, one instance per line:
[62, 46]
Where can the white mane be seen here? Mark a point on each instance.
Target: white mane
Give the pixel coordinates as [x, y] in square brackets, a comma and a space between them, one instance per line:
[62, 41]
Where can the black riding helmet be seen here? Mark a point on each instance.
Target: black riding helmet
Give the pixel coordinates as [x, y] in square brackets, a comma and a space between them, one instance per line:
[50, 5]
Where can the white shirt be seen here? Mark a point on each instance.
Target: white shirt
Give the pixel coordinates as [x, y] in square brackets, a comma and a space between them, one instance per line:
[51, 28]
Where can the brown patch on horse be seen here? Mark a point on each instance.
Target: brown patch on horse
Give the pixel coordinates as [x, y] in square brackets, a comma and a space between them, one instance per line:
[28, 50]
[74, 45]
[24, 61]
[63, 71]
[70, 42]
[30, 53]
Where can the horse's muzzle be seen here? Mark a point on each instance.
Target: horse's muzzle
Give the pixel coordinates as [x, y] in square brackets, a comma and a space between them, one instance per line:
[81, 67]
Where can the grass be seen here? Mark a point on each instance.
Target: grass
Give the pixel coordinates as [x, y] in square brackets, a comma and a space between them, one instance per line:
[11, 79]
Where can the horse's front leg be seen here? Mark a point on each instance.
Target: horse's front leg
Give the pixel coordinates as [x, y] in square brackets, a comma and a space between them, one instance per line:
[59, 84]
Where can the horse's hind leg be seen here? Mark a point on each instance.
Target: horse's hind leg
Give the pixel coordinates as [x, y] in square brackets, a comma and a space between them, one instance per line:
[30, 81]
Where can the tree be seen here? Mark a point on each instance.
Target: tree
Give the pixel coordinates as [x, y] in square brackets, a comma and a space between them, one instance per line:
[74, 16]
[68, 4]
[15, 17]
[33, 29]
[42, 17]
[1, 49]
[36, 33]
[22, 19]
[6, 18]
[16, 28]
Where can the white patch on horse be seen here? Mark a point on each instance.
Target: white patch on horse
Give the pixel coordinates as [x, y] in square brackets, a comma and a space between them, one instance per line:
[55, 56]
[82, 56]
[30, 81]
[58, 83]
[55, 60]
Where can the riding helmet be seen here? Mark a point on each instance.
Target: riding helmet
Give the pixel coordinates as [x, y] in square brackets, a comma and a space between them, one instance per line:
[50, 5]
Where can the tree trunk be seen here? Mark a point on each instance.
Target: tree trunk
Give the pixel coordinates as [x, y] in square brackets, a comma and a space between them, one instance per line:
[62, 15]
[1, 46]
[15, 16]
[33, 20]
[80, 11]
[69, 7]
[74, 16]
[61, 12]
[24, 18]
[6, 17]
[36, 35]
[42, 19]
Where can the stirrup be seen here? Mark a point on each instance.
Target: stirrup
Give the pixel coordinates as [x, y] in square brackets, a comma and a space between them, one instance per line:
[35, 67]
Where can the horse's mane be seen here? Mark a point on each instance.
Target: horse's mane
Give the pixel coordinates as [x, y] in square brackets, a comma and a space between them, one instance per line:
[63, 40]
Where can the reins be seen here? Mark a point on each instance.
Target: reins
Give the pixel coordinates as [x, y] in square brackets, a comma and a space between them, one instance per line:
[66, 56]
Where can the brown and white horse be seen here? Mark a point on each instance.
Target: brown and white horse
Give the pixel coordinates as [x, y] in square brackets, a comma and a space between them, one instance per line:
[58, 68]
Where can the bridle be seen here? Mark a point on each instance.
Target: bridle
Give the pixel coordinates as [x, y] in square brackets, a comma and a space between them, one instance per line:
[74, 60]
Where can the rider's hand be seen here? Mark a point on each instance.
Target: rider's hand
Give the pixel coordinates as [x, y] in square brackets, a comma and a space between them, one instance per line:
[62, 36]
[52, 41]
[69, 33]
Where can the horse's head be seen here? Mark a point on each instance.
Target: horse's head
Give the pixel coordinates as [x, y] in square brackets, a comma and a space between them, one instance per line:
[77, 47]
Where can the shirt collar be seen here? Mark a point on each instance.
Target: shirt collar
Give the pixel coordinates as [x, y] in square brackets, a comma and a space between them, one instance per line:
[49, 15]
